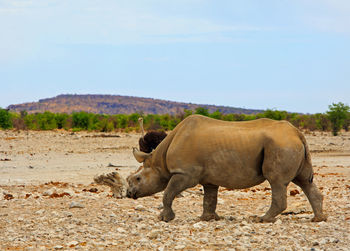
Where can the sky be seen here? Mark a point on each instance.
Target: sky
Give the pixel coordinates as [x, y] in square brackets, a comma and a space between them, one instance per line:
[274, 54]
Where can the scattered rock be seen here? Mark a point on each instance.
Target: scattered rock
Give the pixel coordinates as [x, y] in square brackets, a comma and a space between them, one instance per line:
[200, 225]
[278, 222]
[72, 244]
[140, 208]
[203, 240]
[121, 230]
[49, 192]
[68, 214]
[178, 247]
[154, 234]
[40, 223]
[69, 191]
[58, 195]
[91, 190]
[8, 196]
[75, 204]
[40, 212]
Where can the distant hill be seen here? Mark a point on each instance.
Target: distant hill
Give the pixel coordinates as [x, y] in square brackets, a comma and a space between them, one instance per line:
[116, 104]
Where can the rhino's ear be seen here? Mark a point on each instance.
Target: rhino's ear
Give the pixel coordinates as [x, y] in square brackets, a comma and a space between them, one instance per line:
[140, 156]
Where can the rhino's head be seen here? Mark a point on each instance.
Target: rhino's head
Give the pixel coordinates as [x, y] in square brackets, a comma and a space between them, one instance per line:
[146, 180]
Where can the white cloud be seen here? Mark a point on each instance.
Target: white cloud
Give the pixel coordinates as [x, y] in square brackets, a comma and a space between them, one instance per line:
[110, 22]
[327, 15]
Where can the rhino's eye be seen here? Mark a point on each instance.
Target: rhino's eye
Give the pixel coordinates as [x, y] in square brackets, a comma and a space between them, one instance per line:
[138, 178]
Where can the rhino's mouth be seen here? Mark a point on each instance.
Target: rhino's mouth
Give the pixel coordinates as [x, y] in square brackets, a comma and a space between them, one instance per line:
[132, 195]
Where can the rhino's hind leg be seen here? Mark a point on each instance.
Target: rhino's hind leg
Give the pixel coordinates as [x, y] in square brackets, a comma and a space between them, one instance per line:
[278, 203]
[209, 203]
[314, 196]
[177, 184]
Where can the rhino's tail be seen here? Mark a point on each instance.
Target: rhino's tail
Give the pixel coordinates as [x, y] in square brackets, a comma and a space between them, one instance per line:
[305, 171]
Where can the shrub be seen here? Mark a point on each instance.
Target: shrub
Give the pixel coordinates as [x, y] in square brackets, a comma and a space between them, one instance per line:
[5, 119]
[322, 122]
[337, 114]
[202, 111]
[133, 119]
[46, 121]
[81, 120]
[105, 125]
[187, 113]
[216, 115]
[61, 120]
[274, 114]
[122, 121]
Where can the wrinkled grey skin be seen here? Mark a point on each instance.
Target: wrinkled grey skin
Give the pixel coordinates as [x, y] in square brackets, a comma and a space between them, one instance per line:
[235, 155]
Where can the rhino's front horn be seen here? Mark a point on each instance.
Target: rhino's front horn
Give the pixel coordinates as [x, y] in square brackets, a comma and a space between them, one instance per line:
[140, 156]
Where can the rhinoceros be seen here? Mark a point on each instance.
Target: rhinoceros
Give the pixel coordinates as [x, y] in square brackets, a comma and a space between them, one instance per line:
[235, 155]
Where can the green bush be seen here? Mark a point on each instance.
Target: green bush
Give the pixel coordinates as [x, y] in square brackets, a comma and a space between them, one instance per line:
[202, 111]
[336, 118]
[322, 122]
[105, 125]
[133, 119]
[122, 121]
[61, 120]
[5, 119]
[216, 115]
[337, 114]
[82, 120]
[274, 114]
[46, 121]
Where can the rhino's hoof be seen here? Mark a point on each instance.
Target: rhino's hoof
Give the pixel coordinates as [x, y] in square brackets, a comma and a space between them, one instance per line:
[263, 219]
[319, 218]
[208, 217]
[166, 216]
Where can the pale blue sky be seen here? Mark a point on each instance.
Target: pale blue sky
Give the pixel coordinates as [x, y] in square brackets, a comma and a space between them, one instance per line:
[289, 55]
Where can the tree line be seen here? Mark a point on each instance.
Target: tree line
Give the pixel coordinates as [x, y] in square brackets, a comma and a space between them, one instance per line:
[335, 119]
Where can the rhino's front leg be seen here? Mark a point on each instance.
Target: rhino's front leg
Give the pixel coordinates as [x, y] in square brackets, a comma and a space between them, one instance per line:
[209, 203]
[176, 185]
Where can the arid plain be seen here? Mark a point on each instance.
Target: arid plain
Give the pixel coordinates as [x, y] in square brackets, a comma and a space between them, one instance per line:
[48, 200]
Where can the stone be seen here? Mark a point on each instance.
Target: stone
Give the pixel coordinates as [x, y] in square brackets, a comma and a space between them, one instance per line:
[121, 230]
[140, 208]
[228, 239]
[200, 225]
[49, 192]
[154, 234]
[278, 222]
[69, 191]
[58, 247]
[178, 247]
[203, 240]
[144, 241]
[68, 214]
[322, 223]
[75, 204]
[40, 212]
[72, 244]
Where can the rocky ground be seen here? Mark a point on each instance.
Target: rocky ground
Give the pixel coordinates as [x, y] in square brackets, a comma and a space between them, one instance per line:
[48, 201]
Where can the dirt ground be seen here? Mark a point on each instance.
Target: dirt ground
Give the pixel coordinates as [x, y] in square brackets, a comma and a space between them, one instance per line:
[48, 200]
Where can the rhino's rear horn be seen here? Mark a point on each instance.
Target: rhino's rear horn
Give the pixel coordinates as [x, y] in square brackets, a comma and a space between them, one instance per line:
[140, 156]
